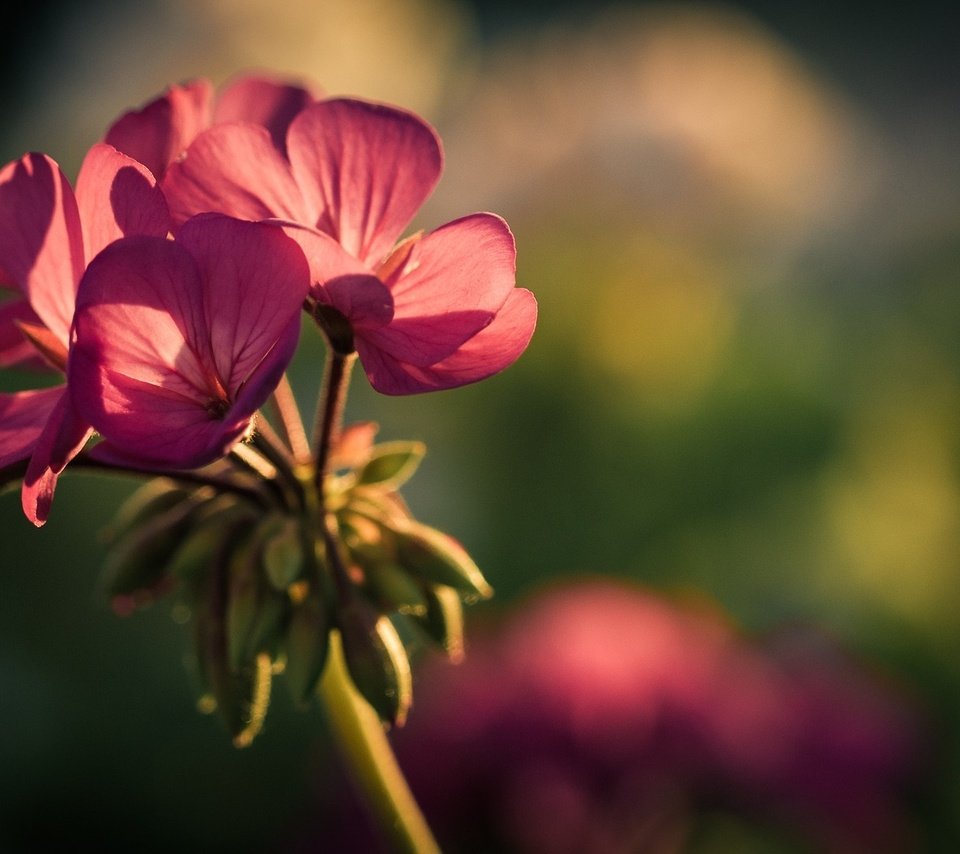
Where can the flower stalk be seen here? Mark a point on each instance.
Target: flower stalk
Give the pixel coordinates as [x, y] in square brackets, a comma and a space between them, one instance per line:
[371, 761]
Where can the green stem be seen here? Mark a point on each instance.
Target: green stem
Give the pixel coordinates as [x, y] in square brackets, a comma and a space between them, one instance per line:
[370, 758]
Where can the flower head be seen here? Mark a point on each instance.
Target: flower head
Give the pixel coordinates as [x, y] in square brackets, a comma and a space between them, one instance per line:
[434, 311]
[178, 343]
[48, 234]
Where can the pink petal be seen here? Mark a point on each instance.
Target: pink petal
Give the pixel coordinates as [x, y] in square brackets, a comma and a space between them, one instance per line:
[140, 314]
[177, 344]
[23, 416]
[117, 197]
[340, 280]
[41, 245]
[262, 101]
[452, 285]
[158, 133]
[15, 349]
[64, 434]
[364, 170]
[233, 169]
[490, 351]
[255, 280]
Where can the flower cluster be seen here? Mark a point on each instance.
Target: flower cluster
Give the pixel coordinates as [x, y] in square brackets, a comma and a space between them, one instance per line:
[167, 289]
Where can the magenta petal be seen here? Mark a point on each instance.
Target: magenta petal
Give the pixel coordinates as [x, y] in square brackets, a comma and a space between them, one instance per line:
[156, 134]
[255, 280]
[140, 367]
[41, 244]
[233, 169]
[364, 171]
[23, 415]
[15, 349]
[491, 350]
[64, 434]
[177, 343]
[262, 101]
[340, 280]
[117, 197]
[453, 283]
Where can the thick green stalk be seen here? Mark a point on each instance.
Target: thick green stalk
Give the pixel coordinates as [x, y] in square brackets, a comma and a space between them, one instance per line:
[371, 761]
[357, 727]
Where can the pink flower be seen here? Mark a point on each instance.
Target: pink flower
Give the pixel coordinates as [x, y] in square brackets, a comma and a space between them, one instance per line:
[157, 133]
[177, 344]
[48, 233]
[433, 312]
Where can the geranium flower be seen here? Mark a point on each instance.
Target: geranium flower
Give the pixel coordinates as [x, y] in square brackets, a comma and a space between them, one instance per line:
[48, 233]
[436, 311]
[157, 133]
[178, 343]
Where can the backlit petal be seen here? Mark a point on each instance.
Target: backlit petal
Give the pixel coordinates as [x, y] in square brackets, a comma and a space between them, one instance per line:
[262, 101]
[255, 280]
[342, 281]
[15, 349]
[233, 169]
[491, 350]
[364, 170]
[117, 197]
[159, 132]
[41, 245]
[23, 416]
[452, 285]
[64, 434]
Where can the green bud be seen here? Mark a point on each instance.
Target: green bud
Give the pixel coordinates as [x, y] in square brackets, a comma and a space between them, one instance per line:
[377, 661]
[283, 555]
[437, 558]
[255, 611]
[391, 464]
[137, 565]
[443, 620]
[155, 496]
[240, 696]
[392, 588]
[212, 524]
[307, 643]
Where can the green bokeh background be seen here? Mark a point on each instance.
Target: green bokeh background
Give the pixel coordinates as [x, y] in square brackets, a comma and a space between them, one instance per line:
[745, 384]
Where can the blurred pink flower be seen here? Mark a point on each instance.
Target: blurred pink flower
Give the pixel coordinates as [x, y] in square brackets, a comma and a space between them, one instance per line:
[601, 719]
[159, 132]
[178, 343]
[48, 234]
[433, 312]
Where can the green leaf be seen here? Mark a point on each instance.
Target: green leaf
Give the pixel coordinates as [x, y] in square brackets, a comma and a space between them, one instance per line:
[392, 464]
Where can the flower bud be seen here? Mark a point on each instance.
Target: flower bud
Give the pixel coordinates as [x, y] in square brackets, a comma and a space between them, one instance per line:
[437, 558]
[307, 642]
[283, 555]
[376, 660]
[442, 621]
[137, 564]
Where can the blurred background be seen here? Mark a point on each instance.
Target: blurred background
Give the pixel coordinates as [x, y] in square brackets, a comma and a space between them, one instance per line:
[737, 429]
